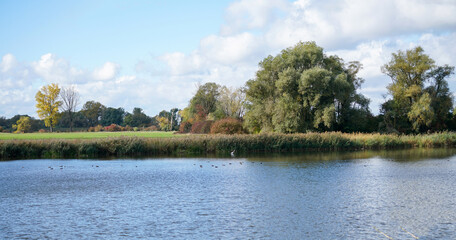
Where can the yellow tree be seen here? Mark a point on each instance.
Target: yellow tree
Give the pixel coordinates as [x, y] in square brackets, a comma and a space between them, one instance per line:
[47, 103]
[22, 125]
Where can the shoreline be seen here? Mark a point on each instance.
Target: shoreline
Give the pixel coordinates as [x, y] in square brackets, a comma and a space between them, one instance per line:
[201, 145]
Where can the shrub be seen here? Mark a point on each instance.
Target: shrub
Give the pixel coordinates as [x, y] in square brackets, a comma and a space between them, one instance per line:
[185, 127]
[202, 127]
[113, 128]
[42, 131]
[227, 126]
[1, 129]
[151, 128]
[135, 129]
[127, 128]
[99, 128]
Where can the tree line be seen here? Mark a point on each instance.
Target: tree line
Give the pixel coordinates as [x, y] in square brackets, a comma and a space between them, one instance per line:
[56, 108]
[301, 89]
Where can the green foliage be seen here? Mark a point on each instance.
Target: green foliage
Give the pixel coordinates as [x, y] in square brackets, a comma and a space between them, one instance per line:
[413, 106]
[169, 121]
[86, 135]
[205, 100]
[216, 144]
[302, 89]
[227, 126]
[137, 119]
[22, 125]
[112, 116]
[163, 122]
[421, 112]
[92, 111]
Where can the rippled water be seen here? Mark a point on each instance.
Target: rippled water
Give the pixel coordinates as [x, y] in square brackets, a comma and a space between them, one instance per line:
[306, 196]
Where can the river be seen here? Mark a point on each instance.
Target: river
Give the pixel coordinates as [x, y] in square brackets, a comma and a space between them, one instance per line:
[359, 195]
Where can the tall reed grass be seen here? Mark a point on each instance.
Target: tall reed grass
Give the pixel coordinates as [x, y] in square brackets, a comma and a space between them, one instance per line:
[216, 144]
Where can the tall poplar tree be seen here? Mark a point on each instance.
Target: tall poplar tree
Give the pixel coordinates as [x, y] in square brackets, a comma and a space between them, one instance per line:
[47, 103]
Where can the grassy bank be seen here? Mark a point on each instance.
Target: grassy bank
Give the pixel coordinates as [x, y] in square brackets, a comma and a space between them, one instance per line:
[215, 144]
[84, 135]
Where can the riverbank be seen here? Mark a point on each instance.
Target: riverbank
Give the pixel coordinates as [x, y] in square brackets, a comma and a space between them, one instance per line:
[86, 135]
[216, 144]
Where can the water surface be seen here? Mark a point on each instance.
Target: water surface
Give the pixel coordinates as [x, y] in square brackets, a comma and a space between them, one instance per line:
[360, 195]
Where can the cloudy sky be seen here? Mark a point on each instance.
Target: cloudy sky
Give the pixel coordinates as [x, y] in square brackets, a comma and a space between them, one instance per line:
[152, 54]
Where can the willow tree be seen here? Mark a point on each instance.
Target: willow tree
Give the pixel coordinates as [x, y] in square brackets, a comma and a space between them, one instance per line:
[48, 104]
[420, 95]
[303, 89]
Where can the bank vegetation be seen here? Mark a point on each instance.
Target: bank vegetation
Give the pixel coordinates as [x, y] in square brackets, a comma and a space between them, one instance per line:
[222, 145]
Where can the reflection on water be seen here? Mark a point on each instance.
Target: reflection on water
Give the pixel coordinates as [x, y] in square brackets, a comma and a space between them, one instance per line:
[349, 195]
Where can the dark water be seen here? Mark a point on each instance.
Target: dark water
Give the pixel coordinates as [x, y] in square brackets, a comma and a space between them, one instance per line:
[307, 196]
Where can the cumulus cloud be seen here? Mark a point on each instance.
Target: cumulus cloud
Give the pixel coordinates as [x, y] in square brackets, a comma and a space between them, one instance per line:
[251, 14]
[108, 71]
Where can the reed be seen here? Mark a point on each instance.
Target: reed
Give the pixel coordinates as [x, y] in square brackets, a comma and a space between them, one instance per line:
[216, 144]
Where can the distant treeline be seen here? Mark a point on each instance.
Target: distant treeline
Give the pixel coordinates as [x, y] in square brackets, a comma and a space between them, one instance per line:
[217, 144]
[94, 116]
[299, 90]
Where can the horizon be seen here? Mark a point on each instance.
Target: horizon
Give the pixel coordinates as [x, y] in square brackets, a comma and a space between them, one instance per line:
[152, 55]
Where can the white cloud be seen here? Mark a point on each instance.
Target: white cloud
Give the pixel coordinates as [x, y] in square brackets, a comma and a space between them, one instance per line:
[251, 14]
[108, 71]
[8, 62]
[340, 24]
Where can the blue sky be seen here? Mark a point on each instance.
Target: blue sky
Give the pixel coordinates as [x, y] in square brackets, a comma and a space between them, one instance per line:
[92, 32]
[152, 54]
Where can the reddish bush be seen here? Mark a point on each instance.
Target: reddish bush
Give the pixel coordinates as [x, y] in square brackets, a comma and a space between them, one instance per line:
[202, 127]
[227, 126]
[42, 130]
[127, 128]
[151, 128]
[185, 127]
[113, 128]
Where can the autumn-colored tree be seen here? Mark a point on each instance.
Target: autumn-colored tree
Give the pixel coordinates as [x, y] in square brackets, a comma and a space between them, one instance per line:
[163, 122]
[22, 125]
[48, 104]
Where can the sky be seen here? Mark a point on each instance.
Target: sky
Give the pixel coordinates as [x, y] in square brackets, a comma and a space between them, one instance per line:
[153, 54]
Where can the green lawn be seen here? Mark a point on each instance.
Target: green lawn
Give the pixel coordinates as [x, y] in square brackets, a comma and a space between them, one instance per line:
[85, 135]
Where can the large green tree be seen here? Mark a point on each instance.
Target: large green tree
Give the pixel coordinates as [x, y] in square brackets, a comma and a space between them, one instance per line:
[413, 105]
[137, 119]
[205, 100]
[112, 115]
[302, 89]
[93, 111]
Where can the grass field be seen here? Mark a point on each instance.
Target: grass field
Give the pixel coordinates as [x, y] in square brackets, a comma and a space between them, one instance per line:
[84, 135]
